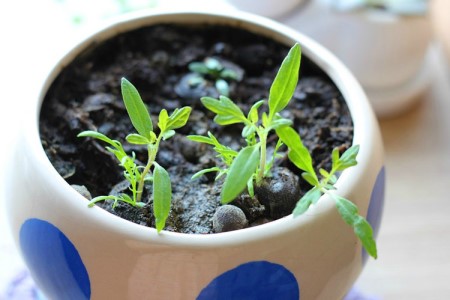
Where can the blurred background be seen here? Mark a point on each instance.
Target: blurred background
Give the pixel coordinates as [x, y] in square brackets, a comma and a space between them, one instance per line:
[398, 49]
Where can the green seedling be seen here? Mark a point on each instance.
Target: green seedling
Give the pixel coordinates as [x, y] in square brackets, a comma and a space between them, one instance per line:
[152, 171]
[301, 158]
[250, 165]
[398, 7]
[215, 70]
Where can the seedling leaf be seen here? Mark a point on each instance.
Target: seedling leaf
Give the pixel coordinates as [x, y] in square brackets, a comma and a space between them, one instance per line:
[99, 136]
[204, 171]
[285, 82]
[348, 158]
[137, 111]
[178, 118]
[162, 195]
[137, 139]
[362, 229]
[168, 134]
[241, 170]
[298, 153]
[200, 139]
[227, 112]
[311, 197]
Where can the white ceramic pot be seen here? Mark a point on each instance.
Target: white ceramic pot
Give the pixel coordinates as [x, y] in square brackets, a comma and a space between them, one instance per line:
[76, 252]
[386, 52]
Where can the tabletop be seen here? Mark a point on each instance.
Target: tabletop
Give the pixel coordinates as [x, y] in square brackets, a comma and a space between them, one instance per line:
[414, 241]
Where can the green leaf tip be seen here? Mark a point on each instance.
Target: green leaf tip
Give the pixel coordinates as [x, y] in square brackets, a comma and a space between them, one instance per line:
[136, 109]
[362, 228]
[285, 82]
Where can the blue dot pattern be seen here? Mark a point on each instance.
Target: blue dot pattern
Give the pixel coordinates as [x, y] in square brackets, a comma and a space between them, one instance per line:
[53, 261]
[376, 206]
[258, 280]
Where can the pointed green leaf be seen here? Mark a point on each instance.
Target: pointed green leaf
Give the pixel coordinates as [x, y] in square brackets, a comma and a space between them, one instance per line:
[168, 134]
[348, 158]
[100, 198]
[242, 168]
[127, 199]
[298, 153]
[227, 112]
[137, 111]
[285, 82]
[162, 196]
[137, 139]
[204, 171]
[324, 173]
[163, 119]
[311, 197]
[347, 210]
[335, 158]
[362, 229]
[265, 120]
[364, 232]
[178, 118]
[200, 139]
[250, 187]
[280, 122]
[309, 178]
[253, 113]
[248, 130]
[99, 136]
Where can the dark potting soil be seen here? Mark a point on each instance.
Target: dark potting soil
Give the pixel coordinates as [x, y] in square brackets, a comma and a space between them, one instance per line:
[86, 96]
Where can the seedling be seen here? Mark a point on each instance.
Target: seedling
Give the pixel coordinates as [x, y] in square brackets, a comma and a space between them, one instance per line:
[137, 175]
[250, 165]
[215, 70]
[300, 156]
[399, 7]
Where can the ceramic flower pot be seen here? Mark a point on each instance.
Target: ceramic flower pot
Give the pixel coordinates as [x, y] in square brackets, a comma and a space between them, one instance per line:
[76, 252]
[386, 51]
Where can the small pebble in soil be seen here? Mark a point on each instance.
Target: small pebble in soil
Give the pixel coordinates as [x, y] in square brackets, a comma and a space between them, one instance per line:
[280, 193]
[228, 218]
[82, 190]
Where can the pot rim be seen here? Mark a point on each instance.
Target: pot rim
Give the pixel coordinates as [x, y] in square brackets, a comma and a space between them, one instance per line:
[364, 122]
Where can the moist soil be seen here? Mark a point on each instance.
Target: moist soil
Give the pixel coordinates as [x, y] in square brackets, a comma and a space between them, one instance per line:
[86, 96]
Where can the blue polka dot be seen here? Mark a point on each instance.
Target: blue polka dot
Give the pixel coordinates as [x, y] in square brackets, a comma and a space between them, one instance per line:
[257, 280]
[53, 261]
[376, 206]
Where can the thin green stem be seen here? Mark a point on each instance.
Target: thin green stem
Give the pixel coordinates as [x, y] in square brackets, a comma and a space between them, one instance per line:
[262, 163]
[152, 150]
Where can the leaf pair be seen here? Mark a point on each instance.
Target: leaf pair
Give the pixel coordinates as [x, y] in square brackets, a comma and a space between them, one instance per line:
[142, 122]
